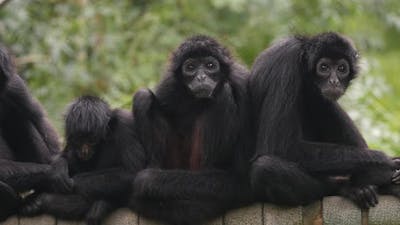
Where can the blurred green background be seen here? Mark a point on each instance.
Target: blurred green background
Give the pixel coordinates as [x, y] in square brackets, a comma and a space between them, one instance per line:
[111, 48]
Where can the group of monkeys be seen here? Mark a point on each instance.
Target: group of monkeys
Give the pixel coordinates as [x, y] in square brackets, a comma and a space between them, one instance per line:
[211, 137]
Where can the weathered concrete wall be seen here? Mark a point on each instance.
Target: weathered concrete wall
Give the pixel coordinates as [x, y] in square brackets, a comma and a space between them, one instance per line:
[331, 211]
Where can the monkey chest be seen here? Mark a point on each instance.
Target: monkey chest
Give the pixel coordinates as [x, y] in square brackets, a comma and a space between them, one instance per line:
[184, 149]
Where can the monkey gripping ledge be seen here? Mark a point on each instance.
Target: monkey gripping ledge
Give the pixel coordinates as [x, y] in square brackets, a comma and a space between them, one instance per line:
[330, 211]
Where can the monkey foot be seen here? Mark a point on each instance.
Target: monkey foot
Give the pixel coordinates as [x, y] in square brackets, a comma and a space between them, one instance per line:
[9, 201]
[365, 197]
[33, 205]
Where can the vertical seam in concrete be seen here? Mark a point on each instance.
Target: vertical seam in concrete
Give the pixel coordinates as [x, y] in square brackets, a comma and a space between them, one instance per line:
[223, 219]
[313, 218]
[321, 211]
[364, 217]
[262, 214]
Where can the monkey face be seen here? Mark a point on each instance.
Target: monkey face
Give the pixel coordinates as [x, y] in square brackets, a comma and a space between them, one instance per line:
[85, 152]
[201, 75]
[332, 77]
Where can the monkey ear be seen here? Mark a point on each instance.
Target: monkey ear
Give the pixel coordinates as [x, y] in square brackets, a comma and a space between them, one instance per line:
[308, 58]
[224, 59]
[174, 66]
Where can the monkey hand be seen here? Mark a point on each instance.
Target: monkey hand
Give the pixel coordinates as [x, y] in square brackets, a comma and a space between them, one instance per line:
[396, 161]
[33, 206]
[146, 183]
[60, 182]
[365, 196]
[396, 177]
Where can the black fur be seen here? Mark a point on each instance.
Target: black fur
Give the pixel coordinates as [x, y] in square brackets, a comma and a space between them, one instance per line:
[195, 147]
[88, 114]
[27, 140]
[304, 137]
[102, 182]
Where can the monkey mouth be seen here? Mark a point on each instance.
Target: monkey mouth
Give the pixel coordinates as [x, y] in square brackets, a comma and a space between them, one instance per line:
[203, 91]
[85, 152]
[332, 94]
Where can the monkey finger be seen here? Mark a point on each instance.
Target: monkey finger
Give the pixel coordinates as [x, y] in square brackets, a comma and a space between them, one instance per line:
[396, 173]
[397, 162]
[363, 201]
[371, 196]
[396, 177]
[396, 180]
[368, 197]
[367, 201]
[375, 195]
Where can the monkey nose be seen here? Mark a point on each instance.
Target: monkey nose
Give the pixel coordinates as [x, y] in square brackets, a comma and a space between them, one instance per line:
[334, 82]
[201, 77]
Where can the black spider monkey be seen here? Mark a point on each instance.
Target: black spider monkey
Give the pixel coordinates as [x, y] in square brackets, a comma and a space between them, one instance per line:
[28, 142]
[302, 132]
[193, 130]
[102, 155]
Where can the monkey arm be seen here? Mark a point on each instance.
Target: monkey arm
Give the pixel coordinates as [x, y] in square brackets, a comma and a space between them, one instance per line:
[280, 181]
[111, 184]
[327, 157]
[40, 133]
[211, 184]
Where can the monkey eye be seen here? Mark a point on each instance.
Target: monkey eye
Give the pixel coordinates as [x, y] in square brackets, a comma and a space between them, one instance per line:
[210, 65]
[324, 67]
[342, 68]
[190, 67]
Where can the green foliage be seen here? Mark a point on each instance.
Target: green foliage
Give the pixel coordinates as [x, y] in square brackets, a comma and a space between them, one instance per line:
[111, 48]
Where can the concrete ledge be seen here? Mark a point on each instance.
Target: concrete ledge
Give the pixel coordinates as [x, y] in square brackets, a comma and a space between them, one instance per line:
[331, 211]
